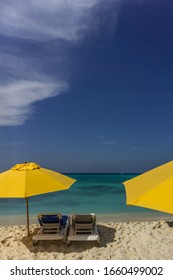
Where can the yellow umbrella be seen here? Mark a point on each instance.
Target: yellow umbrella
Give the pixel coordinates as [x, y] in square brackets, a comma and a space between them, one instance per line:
[152, 189]
[29, 179]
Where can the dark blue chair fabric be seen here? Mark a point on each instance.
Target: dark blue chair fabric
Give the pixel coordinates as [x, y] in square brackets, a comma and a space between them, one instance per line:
[63, 220]
[50, 219]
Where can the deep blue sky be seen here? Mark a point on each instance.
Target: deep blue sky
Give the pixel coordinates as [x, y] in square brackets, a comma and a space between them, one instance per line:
[86, 87]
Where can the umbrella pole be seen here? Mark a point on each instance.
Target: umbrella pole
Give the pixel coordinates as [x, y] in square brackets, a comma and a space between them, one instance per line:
[27, 214]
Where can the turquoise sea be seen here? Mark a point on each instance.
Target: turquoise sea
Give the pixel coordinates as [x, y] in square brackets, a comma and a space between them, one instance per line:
[103, 194]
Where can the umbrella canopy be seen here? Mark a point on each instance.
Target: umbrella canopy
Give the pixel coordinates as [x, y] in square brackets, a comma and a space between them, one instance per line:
[29, 179]
[152, 189]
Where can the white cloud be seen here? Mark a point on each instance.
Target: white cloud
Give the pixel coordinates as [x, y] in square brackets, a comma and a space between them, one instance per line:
[22, 74]
[17, 66]
[44, 19]
[22, 84]
[17, 99]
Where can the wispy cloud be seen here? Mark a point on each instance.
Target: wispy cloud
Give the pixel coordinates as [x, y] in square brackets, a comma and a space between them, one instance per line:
[21, 85]
[44, 19]
[24, 78]
[105, 139]
[17, 99]
[111, 142]
[11, 144]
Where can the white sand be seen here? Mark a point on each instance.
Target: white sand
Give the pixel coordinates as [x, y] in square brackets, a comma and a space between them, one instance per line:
[119, 241]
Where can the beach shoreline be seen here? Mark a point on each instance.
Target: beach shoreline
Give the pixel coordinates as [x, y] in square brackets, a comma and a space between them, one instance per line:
[7, 220]
[132, 240]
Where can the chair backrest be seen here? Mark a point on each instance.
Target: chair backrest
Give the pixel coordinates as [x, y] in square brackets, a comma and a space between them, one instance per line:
[83, 218]
[49, 218]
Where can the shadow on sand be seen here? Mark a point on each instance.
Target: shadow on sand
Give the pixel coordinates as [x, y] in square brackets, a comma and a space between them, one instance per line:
[107, 235]
[170, 223]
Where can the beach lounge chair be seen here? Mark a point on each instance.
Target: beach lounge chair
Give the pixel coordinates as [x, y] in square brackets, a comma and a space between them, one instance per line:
[52, 227]
[83, 227]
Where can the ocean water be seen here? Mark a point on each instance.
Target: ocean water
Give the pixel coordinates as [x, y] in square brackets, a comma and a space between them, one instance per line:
[103, 194]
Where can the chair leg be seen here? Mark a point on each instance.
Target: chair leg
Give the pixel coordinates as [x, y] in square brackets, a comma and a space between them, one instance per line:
[34, 242]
